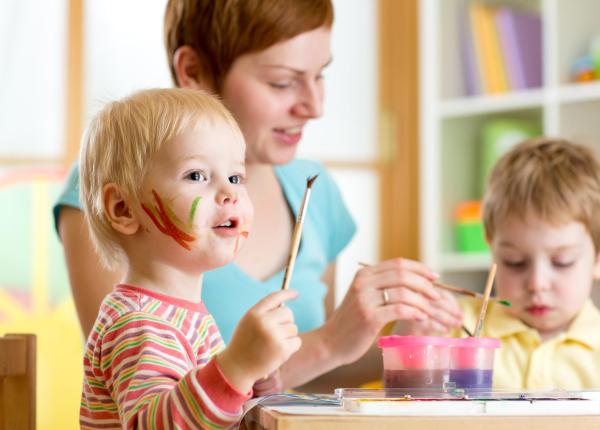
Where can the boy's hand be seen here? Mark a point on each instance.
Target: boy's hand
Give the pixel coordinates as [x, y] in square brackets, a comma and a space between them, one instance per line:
[262, 341]
[441, 321]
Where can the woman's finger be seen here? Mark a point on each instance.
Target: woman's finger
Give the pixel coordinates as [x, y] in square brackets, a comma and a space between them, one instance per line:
[436, 313]
[399, 311]
[392, 279]
[403, 295]
[402, 265]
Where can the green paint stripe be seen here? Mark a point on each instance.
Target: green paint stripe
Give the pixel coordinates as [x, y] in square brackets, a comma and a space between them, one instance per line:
[193, 212]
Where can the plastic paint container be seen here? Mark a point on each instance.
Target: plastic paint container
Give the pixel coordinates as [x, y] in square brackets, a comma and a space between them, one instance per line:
[472, 361]
[415, 361]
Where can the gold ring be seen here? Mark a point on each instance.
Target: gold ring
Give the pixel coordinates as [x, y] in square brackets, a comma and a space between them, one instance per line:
[386, 297]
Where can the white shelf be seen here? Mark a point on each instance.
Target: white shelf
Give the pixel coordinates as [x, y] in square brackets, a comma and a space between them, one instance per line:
[584, 92]
[486, 104]
[452, 124]
[456, 262]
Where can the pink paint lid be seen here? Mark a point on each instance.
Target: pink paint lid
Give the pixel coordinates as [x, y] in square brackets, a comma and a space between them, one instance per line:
[395, 341]
[475, 342]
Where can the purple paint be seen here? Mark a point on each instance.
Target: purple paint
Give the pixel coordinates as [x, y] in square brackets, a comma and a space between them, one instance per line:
[415, 378]
[471, 378]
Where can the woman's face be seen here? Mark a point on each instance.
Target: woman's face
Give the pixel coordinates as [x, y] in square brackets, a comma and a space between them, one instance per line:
[273, 94]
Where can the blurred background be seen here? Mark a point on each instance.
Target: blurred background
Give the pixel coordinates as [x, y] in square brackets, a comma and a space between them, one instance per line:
[421, 98]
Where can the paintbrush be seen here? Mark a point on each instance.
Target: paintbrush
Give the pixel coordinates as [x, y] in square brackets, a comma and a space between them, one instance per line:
[459, 290]
[468, 292]
[486, 299]
[287, 277]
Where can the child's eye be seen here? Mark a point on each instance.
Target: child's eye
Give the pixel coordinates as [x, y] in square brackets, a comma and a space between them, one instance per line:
[197, 176]
[237, 179]
[515, 264]
[562, 264]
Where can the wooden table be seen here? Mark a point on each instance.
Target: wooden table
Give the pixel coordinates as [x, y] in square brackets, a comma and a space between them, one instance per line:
[262, 417]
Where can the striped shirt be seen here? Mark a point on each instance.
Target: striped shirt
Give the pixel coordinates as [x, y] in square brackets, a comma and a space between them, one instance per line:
[149, 364]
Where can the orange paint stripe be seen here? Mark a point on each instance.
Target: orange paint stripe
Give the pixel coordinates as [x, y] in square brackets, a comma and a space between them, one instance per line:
[166, 225]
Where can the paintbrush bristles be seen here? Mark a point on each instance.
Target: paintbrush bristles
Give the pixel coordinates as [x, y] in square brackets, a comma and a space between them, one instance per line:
[310, 181]
[289, 269]
[486, 299]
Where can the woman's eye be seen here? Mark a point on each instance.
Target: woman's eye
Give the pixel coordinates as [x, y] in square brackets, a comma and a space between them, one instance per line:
[237, 179]
[280, 85]
[196, 176]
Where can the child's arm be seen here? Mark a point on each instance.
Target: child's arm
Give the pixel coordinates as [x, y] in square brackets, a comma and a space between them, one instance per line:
[152, 375]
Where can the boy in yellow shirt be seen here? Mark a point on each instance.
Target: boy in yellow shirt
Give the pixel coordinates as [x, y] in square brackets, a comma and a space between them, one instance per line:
[541, 213]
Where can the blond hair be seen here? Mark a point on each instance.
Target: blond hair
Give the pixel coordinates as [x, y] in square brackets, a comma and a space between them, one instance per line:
[555, 179]
[120, 143]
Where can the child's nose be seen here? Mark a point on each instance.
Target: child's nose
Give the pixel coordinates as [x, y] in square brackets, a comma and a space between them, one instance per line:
[539, 280]
[227, 195]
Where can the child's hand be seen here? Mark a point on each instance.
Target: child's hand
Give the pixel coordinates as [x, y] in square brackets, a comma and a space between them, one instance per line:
[442, 319]
[269, 385]
[263, 340]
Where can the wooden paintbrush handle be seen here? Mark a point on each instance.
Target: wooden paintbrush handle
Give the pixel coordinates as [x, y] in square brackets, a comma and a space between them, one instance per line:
[456, 289]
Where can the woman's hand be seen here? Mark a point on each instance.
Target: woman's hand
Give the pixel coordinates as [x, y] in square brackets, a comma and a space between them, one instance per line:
[397, 289]
[447, 316]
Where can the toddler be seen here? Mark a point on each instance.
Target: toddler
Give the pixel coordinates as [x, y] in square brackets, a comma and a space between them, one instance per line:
[162, 182]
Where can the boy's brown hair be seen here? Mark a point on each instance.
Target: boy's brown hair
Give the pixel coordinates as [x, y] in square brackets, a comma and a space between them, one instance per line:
[222, 30]
[555, 179]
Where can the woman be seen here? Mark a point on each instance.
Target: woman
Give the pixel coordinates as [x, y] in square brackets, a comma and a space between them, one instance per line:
[265, 59]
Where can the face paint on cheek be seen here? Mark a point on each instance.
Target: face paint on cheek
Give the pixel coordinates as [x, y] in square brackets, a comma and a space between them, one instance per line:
[167, 222]
[193, 212]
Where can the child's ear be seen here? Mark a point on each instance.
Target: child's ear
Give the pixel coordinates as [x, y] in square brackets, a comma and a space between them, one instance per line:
[597, 267]
[117, 208]
[189, 70]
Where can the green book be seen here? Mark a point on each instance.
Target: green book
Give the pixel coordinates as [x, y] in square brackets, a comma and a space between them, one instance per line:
[497, 137]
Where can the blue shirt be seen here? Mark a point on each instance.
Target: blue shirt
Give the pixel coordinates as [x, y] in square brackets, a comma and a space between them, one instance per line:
[328, 227]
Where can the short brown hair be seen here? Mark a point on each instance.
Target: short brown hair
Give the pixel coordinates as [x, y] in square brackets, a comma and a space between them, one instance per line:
[120, 144]
[222, 30]
[555, 179]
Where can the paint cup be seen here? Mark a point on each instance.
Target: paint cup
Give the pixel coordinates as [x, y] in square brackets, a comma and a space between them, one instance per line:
[472, 361]
[415, 361]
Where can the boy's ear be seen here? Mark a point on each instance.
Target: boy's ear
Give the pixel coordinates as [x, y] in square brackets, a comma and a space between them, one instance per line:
[189, 70]
[118, 210]
[597, 267]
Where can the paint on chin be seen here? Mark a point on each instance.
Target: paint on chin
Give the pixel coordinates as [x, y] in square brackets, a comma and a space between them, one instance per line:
[244, 234]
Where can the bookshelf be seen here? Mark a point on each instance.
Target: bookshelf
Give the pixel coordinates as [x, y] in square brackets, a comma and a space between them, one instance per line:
[451, 122]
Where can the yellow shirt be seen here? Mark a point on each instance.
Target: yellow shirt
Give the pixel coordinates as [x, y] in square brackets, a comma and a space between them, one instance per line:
[569, 361]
